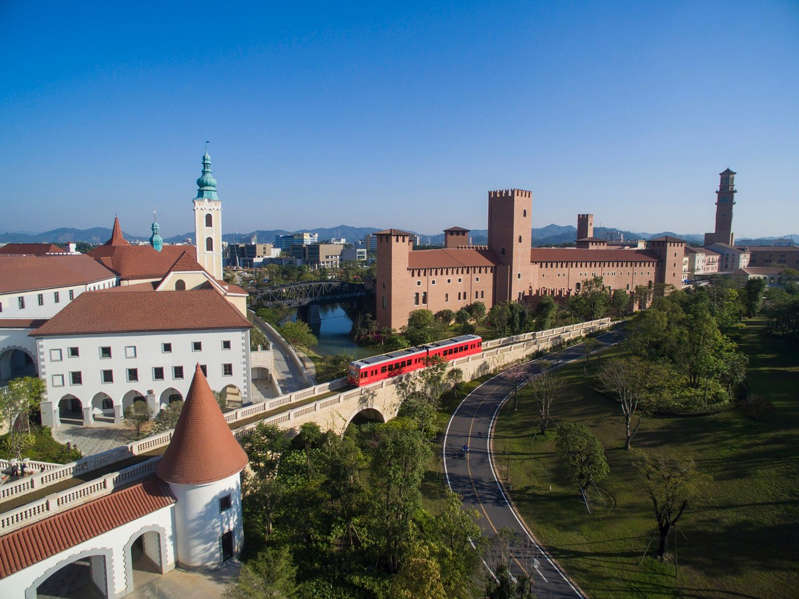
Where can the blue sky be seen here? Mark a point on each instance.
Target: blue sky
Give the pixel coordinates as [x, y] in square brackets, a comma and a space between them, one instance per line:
[399, 114]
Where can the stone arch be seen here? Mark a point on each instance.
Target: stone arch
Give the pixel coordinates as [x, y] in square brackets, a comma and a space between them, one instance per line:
[209, 220]
[99, 558]
[363, 415]
[168, 396]
[17, 361]
[102, 407]
[154, 550]
[70, 408]
[209, 244]
[180, 285]
[130, 397]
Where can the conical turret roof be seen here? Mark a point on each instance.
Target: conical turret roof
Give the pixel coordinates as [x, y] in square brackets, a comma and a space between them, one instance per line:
[203, 448]
[116, 235]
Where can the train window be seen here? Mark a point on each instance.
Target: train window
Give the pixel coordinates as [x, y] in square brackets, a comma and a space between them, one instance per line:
[383, 369]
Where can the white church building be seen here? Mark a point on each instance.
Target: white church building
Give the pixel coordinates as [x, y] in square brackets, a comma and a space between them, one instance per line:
[188, 513]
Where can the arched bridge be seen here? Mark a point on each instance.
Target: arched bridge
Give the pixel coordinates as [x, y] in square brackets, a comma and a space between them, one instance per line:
[299, 294]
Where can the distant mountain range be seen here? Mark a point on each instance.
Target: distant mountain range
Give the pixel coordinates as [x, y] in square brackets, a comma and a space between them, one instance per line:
[548, 235]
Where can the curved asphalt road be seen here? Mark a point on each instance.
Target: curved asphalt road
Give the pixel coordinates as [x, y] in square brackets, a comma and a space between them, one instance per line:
[474, 479]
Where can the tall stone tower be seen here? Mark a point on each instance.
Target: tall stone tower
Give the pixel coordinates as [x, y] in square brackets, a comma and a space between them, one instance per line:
[585, 226]
[510, 238]
[395, 294]
[725, 200]
[208, 222]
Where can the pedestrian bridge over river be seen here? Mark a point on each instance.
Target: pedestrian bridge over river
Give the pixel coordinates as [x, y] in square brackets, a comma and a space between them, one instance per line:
[333, 406]
[301, 294]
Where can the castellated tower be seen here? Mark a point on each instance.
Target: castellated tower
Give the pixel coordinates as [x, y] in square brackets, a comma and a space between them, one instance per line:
[208, 222]
[394, 296]
[456, 237]
[202, 466]
[725, 200]
[585, 226]
[510, 239]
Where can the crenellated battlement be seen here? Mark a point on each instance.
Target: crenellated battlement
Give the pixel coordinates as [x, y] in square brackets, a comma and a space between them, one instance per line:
[510, 193]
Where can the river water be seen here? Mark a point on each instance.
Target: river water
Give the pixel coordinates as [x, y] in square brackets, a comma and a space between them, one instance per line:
[333, 331]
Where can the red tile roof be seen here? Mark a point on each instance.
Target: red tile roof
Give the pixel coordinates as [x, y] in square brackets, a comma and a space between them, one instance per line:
[121, 311]
[581, 255]
[141, 261]
[28, 273]
[203, 448]
[117, 239]
[186, 262]
[21, 323]
[45, 538]
[36, 249]
[450, 258]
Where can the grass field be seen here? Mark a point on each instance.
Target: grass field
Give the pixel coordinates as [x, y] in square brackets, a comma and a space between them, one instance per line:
[741, 539]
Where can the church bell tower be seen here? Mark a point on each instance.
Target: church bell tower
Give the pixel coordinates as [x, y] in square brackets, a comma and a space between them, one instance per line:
[208, 222]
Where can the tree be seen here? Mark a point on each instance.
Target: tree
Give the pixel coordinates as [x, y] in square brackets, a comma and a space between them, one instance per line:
[167, 418]
[419, 576]
[545, 313]
[137, 415]
[753, 296]
[17, 401]
[583, 455]
[544, 389]
[298, 333]
[477, 310]
[626, 380]
[619, 302]
[504, 587]
[445, 317]
[589, 345]
[499, 317]
[671, 482]
[463, 316]
[269, 576]
[420, 328]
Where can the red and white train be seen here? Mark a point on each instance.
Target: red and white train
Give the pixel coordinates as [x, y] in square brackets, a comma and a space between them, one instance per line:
[376, 368]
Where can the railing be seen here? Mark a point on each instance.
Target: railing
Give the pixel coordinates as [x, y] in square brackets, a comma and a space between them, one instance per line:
[491, 348]
[58, 502]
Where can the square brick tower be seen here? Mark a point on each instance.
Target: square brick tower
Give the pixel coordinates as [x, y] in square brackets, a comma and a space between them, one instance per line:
[725, 200]
[455, 237]
[393, 293]
[510, 238]
[585, 226]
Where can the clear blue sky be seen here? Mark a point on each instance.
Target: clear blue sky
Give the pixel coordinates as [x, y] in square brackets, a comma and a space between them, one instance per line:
[399, 114]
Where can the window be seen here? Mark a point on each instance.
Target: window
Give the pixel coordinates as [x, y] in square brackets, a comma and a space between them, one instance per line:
[424, 297]
[226, 542]
[433, 282]
[196, 346]
[415, 299]
[105, 352]
[524, 212]
[227, 369]
[225, 502]
[209, 220]
[476, 295]
[74, 352]
[204, 368]
[209, 244]
[520, 238]
[57, 380]
[21, 303]
[446, 297]
[56, 296]
[460, 280]
[71, 294]
[40, 299]
[133, 375]
[76, 377]
[177, 372]
[55, 355]
[108, 376]
[418, 283]
[158, 373]
[180, 285]
[226, 344]
[130, 351]
[166, 348]
[482, 294]
[1, 306]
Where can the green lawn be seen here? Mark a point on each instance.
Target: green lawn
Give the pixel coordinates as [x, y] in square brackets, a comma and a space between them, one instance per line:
[740, 540]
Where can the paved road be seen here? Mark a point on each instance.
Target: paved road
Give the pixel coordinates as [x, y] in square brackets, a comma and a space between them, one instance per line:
[474, 479]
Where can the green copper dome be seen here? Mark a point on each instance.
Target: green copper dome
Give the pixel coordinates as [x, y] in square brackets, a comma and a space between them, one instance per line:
[155, 239]
[206, 184]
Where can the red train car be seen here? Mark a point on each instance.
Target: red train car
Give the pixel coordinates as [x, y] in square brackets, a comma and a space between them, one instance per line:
[376, 368]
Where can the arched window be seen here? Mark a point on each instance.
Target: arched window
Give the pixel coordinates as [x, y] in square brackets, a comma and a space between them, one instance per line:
[209, 243]
[520, 238]
[209, 220]
[524, 212]
[180, 285]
